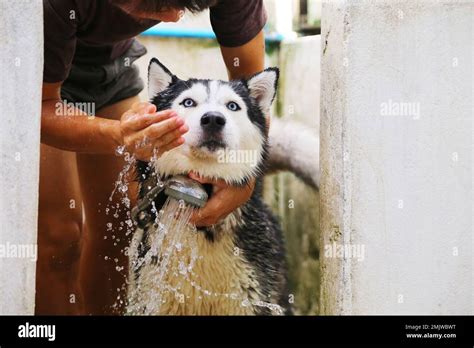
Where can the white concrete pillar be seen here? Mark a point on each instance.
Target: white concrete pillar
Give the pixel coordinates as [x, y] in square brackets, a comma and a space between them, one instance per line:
[21, 72]
[396, 157]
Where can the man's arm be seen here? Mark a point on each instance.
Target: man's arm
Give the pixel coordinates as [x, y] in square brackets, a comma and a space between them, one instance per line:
[77, 132]
[247, 60]
[81, 133]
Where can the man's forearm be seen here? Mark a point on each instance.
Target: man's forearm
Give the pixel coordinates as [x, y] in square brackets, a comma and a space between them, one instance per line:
[78, 133]
[244, 61]
[247, 60]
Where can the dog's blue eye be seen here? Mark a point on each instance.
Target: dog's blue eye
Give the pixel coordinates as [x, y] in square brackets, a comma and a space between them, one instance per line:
[188, 103]
[233, 106]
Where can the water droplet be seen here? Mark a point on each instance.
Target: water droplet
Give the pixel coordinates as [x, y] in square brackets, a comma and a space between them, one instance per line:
[182, 268]
[245, 303]
[126, 202]
[119, 151]
[123, 188]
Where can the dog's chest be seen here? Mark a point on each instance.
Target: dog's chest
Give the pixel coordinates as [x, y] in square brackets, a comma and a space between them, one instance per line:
[195, 276]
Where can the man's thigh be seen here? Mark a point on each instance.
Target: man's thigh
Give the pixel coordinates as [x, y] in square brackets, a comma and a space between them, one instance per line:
[104, 263]
[59, 233]
[98, 175]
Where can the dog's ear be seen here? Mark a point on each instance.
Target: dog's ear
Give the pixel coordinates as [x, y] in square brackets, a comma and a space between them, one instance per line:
[263, 88]
[159, 78]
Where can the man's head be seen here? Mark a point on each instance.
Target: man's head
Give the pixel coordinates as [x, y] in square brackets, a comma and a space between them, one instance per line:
[163, 10]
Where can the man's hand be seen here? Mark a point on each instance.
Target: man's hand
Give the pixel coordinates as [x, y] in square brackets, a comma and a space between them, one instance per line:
[225, 199]
[143, 130]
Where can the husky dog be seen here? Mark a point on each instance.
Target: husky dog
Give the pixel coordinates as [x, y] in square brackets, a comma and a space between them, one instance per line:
[242, 264]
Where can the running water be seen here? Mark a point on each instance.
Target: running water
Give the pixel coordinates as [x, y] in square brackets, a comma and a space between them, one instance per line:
[172, 255]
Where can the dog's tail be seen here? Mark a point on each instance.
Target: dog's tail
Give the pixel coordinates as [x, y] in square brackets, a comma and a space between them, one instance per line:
[294, 148]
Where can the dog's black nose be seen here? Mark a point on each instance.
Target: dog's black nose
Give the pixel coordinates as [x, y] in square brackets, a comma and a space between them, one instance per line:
[213, 121]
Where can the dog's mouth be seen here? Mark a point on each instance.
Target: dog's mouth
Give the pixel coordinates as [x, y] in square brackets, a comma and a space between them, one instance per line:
[212, 145]
[211, 142]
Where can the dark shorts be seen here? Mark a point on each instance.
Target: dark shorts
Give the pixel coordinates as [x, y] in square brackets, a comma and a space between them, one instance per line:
[106, 84]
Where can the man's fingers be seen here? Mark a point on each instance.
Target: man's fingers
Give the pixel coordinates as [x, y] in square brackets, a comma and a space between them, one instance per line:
[223, 202]
[143, 139]
[216, 182]
[171, 136]
[143, 107]
[205, 216]
[175, 143]
[139, 109]
[157, 130]
[137, 122]
[153, 132]
[214, 210]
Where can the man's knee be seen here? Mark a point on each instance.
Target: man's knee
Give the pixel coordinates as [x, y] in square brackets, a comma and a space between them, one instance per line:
[60, 241]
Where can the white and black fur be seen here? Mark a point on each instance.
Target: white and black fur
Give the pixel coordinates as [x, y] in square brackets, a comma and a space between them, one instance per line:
[259, 268]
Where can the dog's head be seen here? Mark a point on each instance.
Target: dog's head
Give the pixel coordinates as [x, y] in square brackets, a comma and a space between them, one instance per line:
[227, 123]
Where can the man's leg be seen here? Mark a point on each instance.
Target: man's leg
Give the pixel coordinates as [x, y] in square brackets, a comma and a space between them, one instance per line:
[104, 267]
[59, 234]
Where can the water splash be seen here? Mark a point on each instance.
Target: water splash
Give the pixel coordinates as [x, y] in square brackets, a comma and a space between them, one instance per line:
[166, 251]
[173, 254]
[173, 248]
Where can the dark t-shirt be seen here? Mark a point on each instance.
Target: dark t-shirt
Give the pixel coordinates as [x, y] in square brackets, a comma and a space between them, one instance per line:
[97, 32]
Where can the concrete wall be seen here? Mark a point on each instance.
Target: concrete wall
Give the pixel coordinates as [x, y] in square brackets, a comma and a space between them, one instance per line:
[396, 157]
[21, 64]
